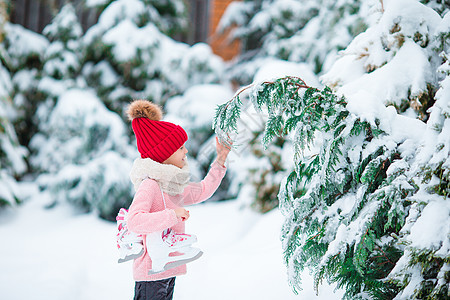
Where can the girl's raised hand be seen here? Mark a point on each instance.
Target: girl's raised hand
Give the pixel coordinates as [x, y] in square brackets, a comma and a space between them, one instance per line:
[222, 152]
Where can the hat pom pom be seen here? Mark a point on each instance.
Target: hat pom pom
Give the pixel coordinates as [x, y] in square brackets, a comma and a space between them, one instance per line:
[144, 109]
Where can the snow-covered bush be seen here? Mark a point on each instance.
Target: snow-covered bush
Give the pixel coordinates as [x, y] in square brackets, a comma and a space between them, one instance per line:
[369, 209]
[83, 154]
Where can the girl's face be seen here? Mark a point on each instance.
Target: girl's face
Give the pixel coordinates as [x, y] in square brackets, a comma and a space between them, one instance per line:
[178, 158]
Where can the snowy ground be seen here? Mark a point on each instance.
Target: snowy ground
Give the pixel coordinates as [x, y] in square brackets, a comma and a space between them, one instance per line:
[56, 254]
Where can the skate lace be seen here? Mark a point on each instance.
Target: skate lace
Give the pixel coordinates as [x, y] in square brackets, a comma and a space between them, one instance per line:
[172, 238]
[168, 235]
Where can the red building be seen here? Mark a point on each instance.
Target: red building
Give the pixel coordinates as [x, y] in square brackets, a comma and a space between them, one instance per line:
[220, 43]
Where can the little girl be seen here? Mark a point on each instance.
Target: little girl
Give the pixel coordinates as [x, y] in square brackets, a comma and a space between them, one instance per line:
[161, 180]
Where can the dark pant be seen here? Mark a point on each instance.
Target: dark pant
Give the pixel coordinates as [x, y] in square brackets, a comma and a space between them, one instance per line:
[154, 290]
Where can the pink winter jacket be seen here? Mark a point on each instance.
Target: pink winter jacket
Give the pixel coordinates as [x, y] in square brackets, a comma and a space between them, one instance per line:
[147, 214]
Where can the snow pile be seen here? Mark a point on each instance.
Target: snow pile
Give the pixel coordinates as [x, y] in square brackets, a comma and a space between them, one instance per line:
[62, 255]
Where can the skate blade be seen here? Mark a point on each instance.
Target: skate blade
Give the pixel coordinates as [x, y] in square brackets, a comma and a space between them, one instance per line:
[130, 257]
[177, 263]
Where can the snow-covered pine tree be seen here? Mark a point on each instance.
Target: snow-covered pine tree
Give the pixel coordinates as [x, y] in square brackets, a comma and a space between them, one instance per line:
[24, 50]
[375, 59]
[398, 61]
[62, 57]
[356, 212]
[81, 151]
[169, 16]
[12, 155]
[327, 199]
[82, 155]
[301, 31]
[424, 269]
[61, 61]
[129, 56]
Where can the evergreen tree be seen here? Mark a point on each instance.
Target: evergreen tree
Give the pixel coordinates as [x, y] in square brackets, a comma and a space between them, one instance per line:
[24, 50]
[83, 155]
[169, 16]
[61, 60]
[426, 253]
[358, 211]
[81, 151]
[62, 57]
[400, 44]
[129, 57]
[12, 155]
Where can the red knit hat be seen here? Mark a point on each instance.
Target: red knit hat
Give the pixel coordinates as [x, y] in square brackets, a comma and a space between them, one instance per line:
[156, 139]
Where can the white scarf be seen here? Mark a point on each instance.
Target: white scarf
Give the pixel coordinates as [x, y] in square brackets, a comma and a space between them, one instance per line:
[171, 179]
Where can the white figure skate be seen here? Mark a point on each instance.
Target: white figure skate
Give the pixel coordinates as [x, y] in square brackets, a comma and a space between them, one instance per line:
[160, 246]
[129, 244]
